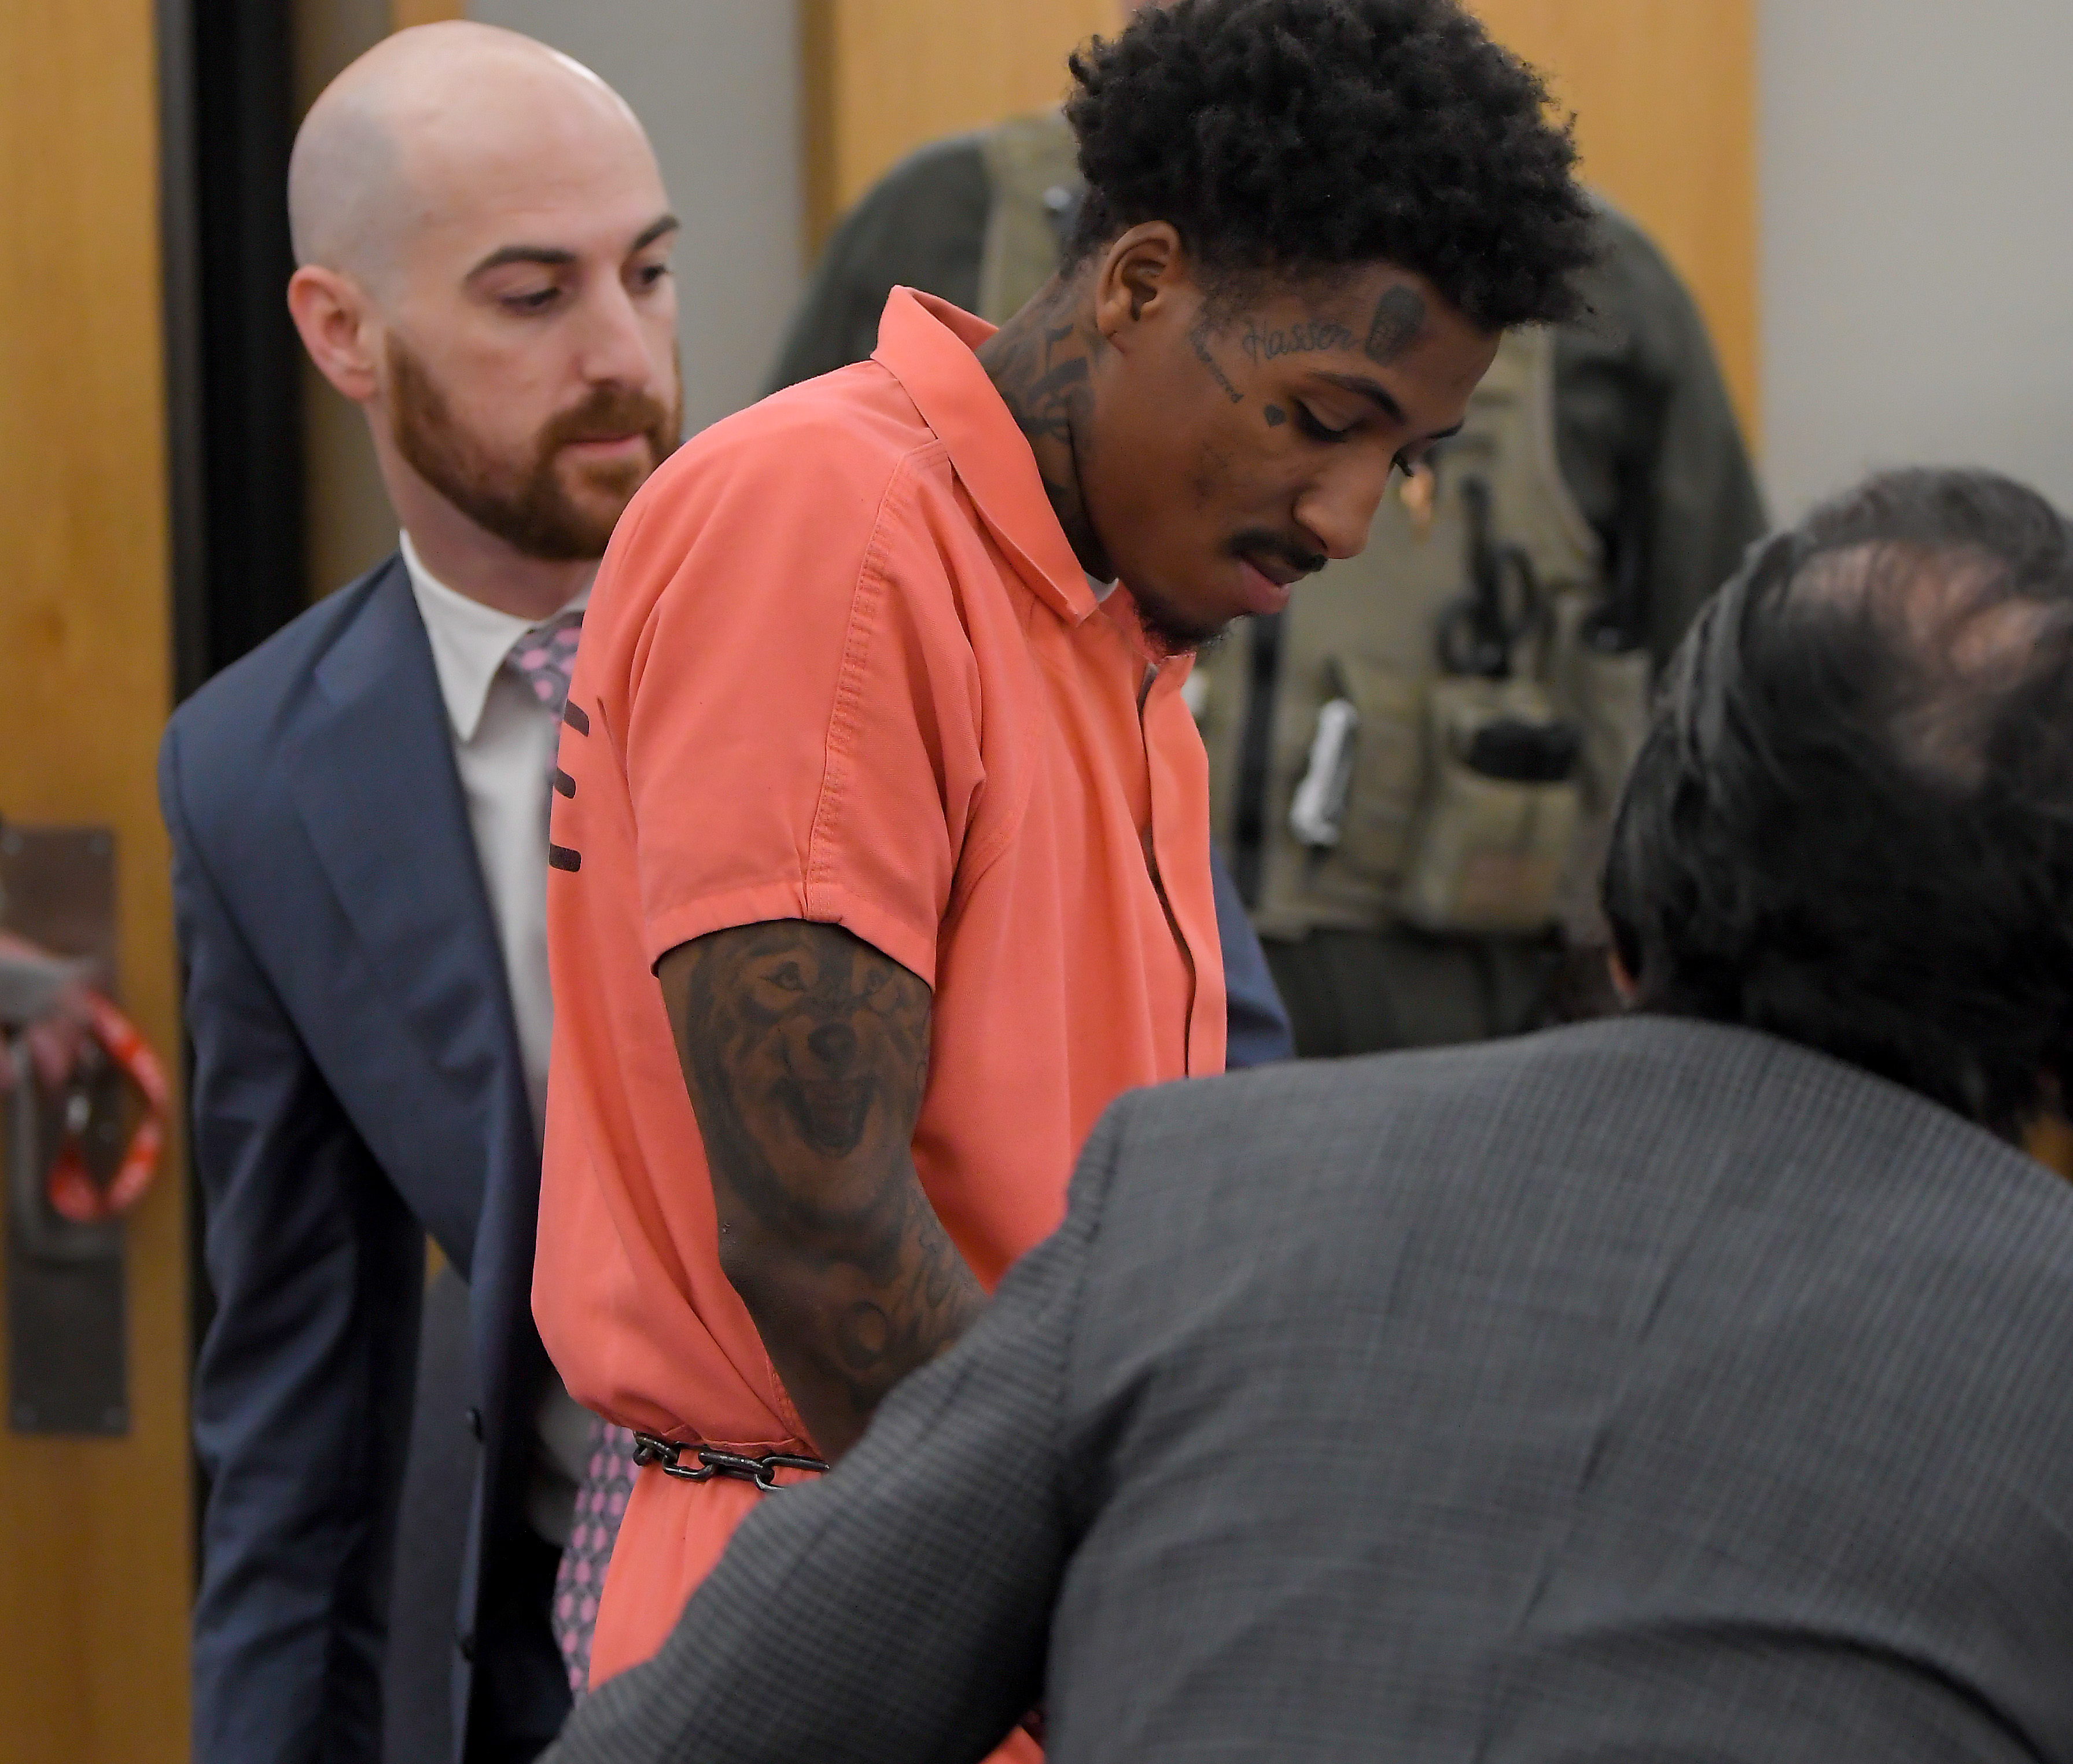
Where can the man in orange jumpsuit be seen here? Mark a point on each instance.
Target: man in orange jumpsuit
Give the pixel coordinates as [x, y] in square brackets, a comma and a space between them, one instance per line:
[900, 802]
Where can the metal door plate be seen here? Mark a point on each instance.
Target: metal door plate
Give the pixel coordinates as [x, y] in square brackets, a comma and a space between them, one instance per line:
[67, 1367]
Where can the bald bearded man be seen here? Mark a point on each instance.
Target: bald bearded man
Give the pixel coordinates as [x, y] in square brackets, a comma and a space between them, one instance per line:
[359, 817]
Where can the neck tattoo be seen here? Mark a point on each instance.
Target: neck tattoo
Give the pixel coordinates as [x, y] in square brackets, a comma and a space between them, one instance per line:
[1040, 362]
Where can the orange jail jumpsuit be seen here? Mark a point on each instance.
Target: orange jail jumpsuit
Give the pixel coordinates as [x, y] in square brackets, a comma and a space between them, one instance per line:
[840, 664]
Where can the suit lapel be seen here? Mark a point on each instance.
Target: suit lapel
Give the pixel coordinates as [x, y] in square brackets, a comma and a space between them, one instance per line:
[375, 783]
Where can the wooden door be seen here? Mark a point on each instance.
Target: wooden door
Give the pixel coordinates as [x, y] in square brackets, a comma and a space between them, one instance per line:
[1663, 92]
[94, 1568]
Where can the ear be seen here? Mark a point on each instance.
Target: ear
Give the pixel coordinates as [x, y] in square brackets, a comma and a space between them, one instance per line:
[2048, 1136]
[2049, 1139]
[1623, 983]
[1142, 278]
[339, 329]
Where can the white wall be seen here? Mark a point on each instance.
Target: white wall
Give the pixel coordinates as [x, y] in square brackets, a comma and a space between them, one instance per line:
[716, 82]
[1917, 240]
[350, 525]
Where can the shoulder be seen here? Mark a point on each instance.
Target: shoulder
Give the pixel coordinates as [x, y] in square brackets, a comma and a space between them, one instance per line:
[1637, 300]
[239, 715]
[1627, 1086]
[923, 223]
[1662, 1104]
[260, 681]
[941, 186]
[856, 423]
[808, 477]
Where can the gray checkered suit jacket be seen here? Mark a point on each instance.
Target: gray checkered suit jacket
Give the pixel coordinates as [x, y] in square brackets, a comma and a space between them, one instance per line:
[1642, 1390]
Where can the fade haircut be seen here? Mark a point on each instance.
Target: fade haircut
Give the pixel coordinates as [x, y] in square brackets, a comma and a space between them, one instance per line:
[1851, 825]
[1311, 137]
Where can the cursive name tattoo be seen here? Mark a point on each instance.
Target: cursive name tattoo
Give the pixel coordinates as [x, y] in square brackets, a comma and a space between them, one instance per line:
[805, 1054]
[1314, 336]
[1399, 316]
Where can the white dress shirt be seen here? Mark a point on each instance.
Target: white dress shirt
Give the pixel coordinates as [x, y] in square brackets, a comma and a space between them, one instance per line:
[504, 743]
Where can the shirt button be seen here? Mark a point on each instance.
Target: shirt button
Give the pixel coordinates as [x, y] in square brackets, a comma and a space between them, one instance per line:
[475, 1423]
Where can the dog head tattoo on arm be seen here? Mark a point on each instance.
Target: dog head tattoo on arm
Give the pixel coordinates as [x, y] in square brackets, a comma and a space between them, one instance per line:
[823, 1037]
[805, 1054]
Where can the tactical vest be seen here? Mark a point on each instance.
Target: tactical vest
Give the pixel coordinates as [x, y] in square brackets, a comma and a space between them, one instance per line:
[1032, 169]
[1447, 717]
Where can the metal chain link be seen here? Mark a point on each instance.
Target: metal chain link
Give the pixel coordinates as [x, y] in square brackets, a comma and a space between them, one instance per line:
[714, 1461]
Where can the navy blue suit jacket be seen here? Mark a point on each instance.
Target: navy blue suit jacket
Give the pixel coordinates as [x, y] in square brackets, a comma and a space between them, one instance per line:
[1258, 1021]
[356, 1077]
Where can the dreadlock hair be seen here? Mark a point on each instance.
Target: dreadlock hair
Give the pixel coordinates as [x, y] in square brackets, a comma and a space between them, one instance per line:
[1851, 825]
[1315, 136]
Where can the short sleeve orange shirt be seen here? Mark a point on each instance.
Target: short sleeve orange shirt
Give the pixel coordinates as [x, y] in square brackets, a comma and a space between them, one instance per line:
[841, 665]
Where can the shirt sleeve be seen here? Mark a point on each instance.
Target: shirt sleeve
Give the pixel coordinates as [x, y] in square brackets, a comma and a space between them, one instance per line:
[800, 727]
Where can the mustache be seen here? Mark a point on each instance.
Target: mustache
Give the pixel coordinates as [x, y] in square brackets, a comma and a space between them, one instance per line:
[1259, 541]
[607, 413]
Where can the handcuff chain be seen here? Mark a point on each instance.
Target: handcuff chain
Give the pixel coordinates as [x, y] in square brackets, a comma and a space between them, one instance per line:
[715, 1460]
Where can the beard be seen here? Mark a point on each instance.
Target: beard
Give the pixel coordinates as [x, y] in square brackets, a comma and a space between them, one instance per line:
[1170, 630]
[1174, 631]
[524, 501]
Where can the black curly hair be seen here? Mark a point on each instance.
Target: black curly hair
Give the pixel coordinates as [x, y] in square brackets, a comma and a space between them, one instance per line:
[1313, 135]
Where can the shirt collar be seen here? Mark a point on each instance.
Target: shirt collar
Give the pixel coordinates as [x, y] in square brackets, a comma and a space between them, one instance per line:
[927, 344]
[469, 641]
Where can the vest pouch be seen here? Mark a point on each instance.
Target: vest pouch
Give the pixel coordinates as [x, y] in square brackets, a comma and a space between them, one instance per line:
[1388, 764]
[1494, 836]
[1606, 692]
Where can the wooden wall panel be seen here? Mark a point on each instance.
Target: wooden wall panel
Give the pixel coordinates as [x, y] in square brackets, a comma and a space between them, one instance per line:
[1663, 92]
[1664, 96]
[883, 76]
[94, 1569]
[403, 14]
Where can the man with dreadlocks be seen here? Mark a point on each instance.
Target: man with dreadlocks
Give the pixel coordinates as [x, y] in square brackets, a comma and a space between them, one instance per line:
[877, 760]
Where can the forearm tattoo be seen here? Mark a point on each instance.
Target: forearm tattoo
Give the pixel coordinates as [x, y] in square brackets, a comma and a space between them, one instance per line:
[805, 1052]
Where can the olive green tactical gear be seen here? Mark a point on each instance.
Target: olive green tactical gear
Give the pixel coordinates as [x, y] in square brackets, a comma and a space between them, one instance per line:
[1487, 853]
[1032, 164]
[1425, 834]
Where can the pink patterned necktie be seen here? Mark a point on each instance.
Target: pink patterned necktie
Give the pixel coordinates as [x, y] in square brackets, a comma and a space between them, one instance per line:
[545, 656]
[600, 1505]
